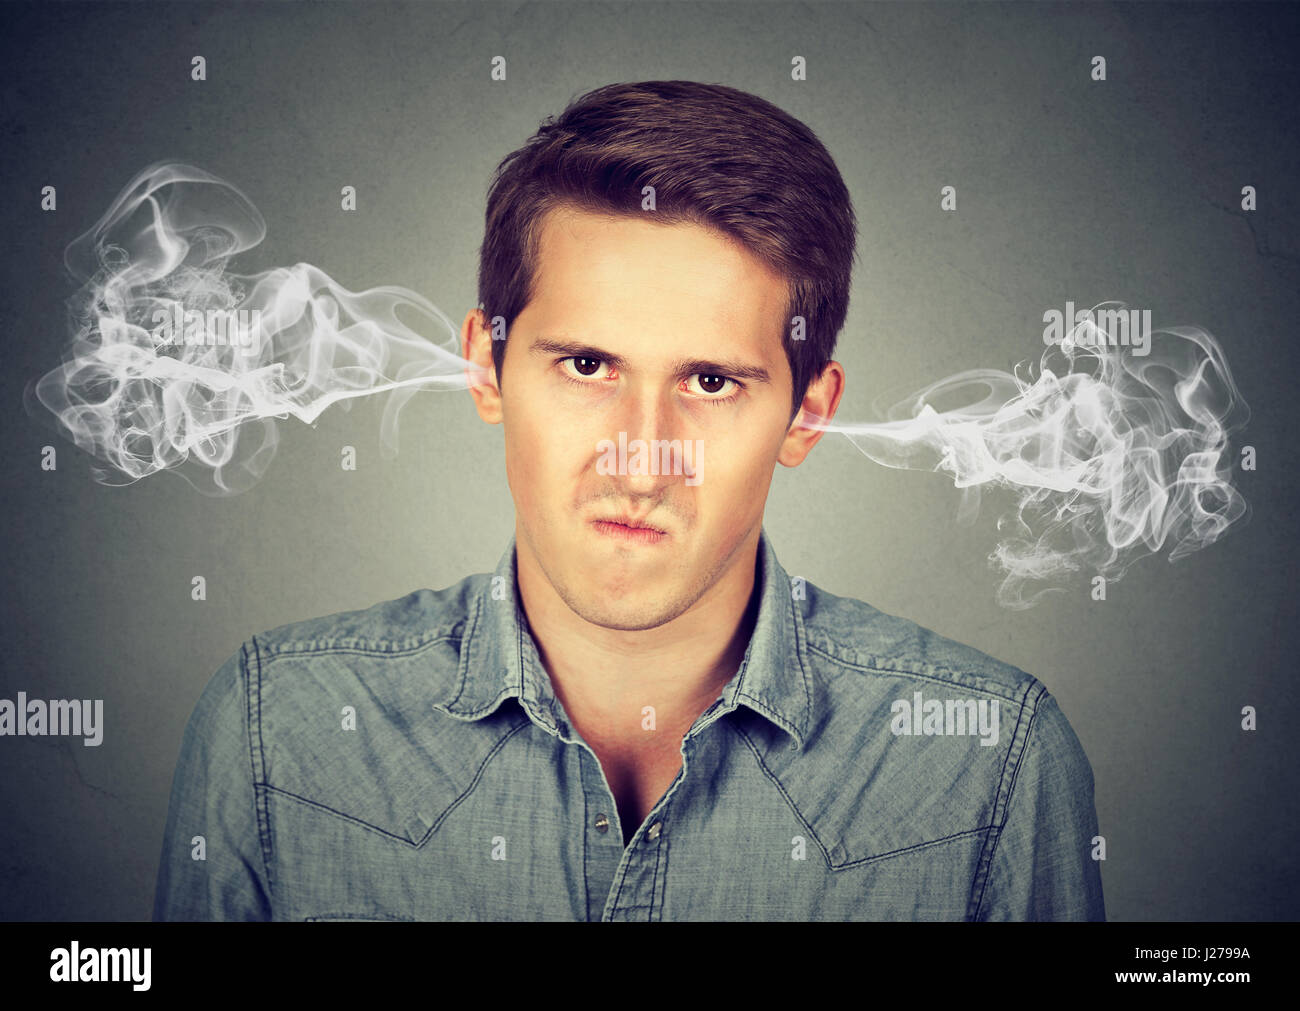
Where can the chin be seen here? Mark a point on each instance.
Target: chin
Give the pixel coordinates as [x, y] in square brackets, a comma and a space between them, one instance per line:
[627, 616]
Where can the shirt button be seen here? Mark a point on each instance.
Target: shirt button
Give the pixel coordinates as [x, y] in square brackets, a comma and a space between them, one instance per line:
[602, 823]
[653, 832]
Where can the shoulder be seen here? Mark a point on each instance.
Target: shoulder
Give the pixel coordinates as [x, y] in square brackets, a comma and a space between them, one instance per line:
[387, 658]
[372, 652]
[917, 738]
[391, 627]
[865, 656]
[342, 710]
[384, 658]
[849, 637]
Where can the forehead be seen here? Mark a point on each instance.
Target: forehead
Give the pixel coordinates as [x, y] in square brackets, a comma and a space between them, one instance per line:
[597, 271]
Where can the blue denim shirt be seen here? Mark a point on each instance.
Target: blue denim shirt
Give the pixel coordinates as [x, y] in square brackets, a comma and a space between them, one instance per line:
[412, 762]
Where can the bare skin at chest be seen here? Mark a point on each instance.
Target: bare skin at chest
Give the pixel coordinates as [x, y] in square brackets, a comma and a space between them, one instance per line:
[639, 776]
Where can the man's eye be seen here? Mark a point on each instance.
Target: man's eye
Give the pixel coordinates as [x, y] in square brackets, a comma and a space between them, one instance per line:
[584, 366]
[709, 386]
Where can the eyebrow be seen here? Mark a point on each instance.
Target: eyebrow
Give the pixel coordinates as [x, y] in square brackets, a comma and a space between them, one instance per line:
[681, 367]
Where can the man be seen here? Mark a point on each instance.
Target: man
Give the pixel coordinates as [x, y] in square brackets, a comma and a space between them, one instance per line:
[639, 715]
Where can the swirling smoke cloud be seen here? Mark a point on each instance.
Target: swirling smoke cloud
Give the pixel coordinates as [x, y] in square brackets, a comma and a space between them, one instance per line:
[1107, 456]
[142, 394]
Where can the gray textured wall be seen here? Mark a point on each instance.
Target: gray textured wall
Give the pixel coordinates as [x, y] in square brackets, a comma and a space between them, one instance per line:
[1069, 189]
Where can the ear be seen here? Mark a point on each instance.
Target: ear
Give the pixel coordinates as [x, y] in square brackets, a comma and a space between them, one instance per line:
[476, 347]
[819, 404]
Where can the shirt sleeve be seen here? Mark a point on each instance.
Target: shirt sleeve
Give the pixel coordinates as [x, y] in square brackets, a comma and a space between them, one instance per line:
[1042, 866]
[212, 865]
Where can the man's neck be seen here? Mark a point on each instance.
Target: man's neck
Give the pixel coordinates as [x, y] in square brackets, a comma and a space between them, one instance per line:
[606, 677]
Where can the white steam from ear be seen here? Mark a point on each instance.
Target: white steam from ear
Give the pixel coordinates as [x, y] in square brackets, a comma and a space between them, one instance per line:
[1109, 456]
[142, 404]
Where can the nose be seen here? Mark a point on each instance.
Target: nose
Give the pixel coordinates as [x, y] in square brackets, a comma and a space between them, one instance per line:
[654, 437]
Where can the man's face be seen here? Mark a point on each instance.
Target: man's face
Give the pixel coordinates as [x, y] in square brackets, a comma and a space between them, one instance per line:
[668, 334]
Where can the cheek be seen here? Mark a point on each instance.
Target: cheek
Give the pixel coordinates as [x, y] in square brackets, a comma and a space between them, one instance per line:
[734, 489]
[540, 459]
[520, 456]
[738, 469]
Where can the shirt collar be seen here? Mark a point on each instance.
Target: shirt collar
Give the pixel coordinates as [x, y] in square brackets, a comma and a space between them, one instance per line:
[499, 658]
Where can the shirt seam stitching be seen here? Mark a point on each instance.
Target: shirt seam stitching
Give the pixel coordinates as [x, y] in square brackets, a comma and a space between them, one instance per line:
[467, 648]
[257, 759]
[889, 854]
[800, 644]
[937, 675]
[654, 881]
[355, 647]
[984, 869]
[385, 832]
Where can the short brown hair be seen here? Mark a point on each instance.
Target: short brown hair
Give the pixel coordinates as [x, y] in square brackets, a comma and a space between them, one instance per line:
[716, 157]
